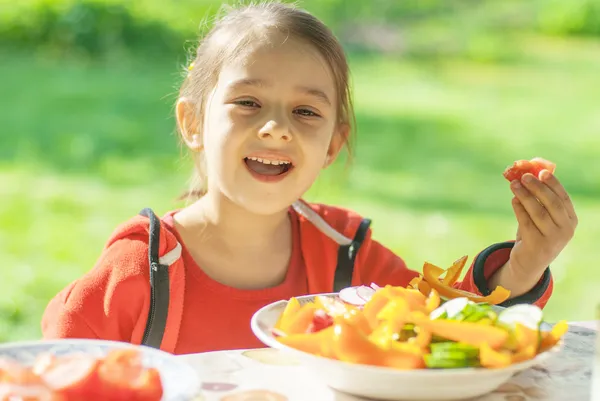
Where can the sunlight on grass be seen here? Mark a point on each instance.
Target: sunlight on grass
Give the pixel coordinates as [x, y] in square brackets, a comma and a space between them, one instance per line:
[90, 146]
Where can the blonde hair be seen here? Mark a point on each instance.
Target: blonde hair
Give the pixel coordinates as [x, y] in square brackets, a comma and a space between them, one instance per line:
[233, 32]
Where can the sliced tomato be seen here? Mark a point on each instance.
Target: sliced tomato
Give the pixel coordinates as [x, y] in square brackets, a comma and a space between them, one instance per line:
[73, 377]
[148, 387]
[534, 166]
[125, 378]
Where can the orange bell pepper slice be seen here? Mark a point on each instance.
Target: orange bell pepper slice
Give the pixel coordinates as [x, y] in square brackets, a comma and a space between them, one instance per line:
[489, 358]
[430, 271]
[422, 339]
[377, 302]
[433, 301]
[424, 287]
[291, 308]
[350, 345]
[467, 332]
[552, 337]
[453, 273]
[414, 283]
[415, 299]
[319, 343]
[526, 337]
[299, 321]
[357, 319]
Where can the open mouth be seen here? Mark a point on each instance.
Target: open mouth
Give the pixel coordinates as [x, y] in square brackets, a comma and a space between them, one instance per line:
[268, 167]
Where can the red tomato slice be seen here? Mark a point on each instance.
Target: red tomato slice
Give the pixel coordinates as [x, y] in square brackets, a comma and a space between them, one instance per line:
[533, 166]
[148, 387]
[125, 378]
[73, 377]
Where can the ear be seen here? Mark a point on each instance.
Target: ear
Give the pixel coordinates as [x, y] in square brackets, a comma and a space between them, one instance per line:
[189, 124]
[338, 140]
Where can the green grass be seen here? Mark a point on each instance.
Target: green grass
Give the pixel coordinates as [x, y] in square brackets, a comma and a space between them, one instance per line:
[86, 146]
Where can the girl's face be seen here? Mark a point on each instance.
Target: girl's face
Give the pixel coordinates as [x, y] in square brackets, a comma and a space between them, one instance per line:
[270, 126]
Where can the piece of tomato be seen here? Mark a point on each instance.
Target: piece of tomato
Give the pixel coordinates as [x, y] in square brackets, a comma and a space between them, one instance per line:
[74, 377]
[123, 377]
[534, 166]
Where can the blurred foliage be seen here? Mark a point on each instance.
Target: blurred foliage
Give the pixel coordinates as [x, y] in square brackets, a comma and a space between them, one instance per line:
[478, 29]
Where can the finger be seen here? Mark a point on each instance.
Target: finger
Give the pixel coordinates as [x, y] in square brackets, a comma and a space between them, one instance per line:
[537, 213]
[549, 199]
[526, 225]
[552, 182]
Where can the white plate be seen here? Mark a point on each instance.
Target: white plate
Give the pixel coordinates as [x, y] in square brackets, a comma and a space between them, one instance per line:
[180, 381]
[387, 383]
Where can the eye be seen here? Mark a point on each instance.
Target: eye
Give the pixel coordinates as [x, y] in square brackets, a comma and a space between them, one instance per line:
[306, 113]
[247, 103]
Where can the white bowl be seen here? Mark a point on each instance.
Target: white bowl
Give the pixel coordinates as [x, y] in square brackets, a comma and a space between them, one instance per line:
[386, 383]
[180, 381]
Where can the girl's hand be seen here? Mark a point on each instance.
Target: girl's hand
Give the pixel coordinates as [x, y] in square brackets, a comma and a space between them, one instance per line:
[547, 222]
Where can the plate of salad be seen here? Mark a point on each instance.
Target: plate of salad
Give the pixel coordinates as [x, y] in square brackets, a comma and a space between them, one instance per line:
[85, 369]
[396, 343]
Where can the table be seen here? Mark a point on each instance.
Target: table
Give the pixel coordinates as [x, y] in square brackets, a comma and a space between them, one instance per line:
[270, 375]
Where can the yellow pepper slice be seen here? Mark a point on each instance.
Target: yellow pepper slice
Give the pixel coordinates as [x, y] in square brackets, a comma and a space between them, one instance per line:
[430, 271]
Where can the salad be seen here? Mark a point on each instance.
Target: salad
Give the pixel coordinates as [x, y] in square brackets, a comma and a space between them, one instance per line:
[80, 377]
[403, 328]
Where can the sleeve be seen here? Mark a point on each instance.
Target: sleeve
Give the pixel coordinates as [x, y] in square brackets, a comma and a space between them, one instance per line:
[377, 264]
[106, 303]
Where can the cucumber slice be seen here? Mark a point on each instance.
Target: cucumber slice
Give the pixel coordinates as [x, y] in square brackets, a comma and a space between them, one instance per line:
[450, 347]
[433, 362]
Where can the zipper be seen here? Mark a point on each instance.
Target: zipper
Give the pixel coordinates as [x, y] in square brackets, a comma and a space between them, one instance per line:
[152, 311]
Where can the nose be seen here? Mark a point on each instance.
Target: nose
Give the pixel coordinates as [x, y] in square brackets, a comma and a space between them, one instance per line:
[275, 130]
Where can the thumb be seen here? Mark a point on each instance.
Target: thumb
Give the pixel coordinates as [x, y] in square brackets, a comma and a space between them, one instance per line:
[518, 238]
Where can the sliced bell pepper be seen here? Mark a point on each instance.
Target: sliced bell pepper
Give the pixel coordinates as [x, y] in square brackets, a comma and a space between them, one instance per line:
[395, 311]
[453, 273]
[357, 319]
[430, 272]
[550, 338]
[467, 332]
[414, 298]
[490, 358]
[433, 301]
[300, 321]
[291, 308]
[422, 339]
[424, 287]
[524, 354]
[350, 345]
[319, 343]
[414, 283]
[526, 337]
[377, 302]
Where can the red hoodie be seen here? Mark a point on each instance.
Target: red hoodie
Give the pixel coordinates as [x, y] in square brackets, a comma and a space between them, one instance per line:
[112, 300]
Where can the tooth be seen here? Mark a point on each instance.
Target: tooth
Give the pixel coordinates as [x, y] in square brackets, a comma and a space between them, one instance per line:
[275, 162]
[265, 161]
[259, 159]
[252, 158]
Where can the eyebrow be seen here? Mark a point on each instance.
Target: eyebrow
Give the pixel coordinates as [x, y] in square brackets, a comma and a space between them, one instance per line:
[318, 93]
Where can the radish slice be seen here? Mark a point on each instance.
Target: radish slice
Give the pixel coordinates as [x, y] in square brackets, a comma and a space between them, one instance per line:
[365, 292]
[452, 308]
[528, 315]
[356, 296]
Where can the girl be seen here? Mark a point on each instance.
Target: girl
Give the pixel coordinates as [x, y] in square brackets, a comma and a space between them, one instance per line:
[264, 109]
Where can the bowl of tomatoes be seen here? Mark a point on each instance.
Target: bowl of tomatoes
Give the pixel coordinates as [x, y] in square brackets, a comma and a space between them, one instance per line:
[90, 370]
